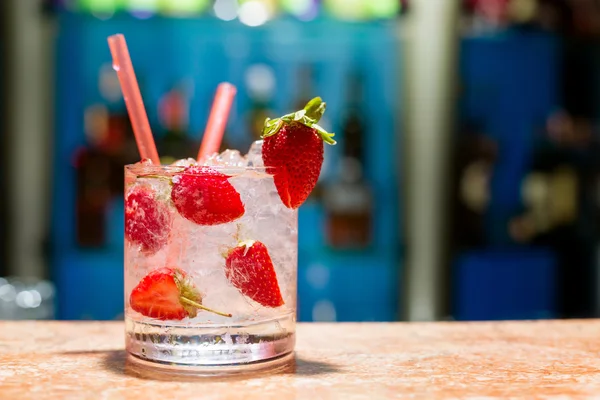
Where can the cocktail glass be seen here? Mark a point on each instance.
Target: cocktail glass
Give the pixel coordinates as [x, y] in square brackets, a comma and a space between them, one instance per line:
[187, 270]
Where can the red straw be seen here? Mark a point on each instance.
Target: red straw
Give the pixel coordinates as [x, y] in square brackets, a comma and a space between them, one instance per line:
[133, 98]
[217, 121]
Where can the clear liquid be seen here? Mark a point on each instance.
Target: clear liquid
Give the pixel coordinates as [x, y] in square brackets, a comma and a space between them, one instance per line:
[213, 345]
[254, 332]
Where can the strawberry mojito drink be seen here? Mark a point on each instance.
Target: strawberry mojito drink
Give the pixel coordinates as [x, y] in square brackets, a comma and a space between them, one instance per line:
[211, 250]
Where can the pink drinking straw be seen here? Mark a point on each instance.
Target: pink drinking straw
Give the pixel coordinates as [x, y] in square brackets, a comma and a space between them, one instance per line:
[217, 121]
[133, 98]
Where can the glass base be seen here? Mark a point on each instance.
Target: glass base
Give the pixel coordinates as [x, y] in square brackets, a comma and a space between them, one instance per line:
[177, 372]
[211, 349]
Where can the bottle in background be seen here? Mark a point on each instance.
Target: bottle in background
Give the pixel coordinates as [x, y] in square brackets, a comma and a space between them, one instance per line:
[260, 86]
[173, 111]
[306, 78]
[348, 200]
[97, 165]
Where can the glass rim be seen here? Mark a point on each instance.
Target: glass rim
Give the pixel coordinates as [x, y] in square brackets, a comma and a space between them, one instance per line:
[167, 169]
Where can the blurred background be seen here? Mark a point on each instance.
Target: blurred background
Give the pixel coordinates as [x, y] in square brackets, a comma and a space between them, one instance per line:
[465, 185]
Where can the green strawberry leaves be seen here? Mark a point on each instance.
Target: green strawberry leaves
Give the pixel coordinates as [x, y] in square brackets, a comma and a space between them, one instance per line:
[272, 126]
[315, 109]
[309, 116]
[326, 136]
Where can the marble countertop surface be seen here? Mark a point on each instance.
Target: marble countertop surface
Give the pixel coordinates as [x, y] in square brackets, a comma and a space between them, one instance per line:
[548, 359]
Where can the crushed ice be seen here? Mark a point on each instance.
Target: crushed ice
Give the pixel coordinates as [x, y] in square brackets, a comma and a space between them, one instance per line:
[186, 162]
[254, 156]
[233, 158]
[229, 158]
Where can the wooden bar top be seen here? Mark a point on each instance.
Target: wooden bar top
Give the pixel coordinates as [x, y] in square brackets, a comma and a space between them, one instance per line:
[546, 359]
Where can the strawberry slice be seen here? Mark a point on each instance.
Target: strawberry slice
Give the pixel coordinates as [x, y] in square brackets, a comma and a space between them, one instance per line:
[293, 150]
[167, 294]
[249, 268]
[147, 220]
[205, 196]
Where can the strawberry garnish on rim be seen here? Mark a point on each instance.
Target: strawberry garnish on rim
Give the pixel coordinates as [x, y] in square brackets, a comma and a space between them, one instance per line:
[293, 151]
[168, 294]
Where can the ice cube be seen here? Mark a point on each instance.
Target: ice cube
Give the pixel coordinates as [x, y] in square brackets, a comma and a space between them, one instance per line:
[213, 159]
[232, 158]
[254, 156]
[228, 158]
[186, 162]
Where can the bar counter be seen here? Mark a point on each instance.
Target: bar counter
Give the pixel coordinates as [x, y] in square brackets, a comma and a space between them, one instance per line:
[441, 360]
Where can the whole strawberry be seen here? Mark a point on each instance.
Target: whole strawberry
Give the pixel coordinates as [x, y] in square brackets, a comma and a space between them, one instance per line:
[147, 220]
[249, 268]
[167, 294]
[293, 150]
[205, 196]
